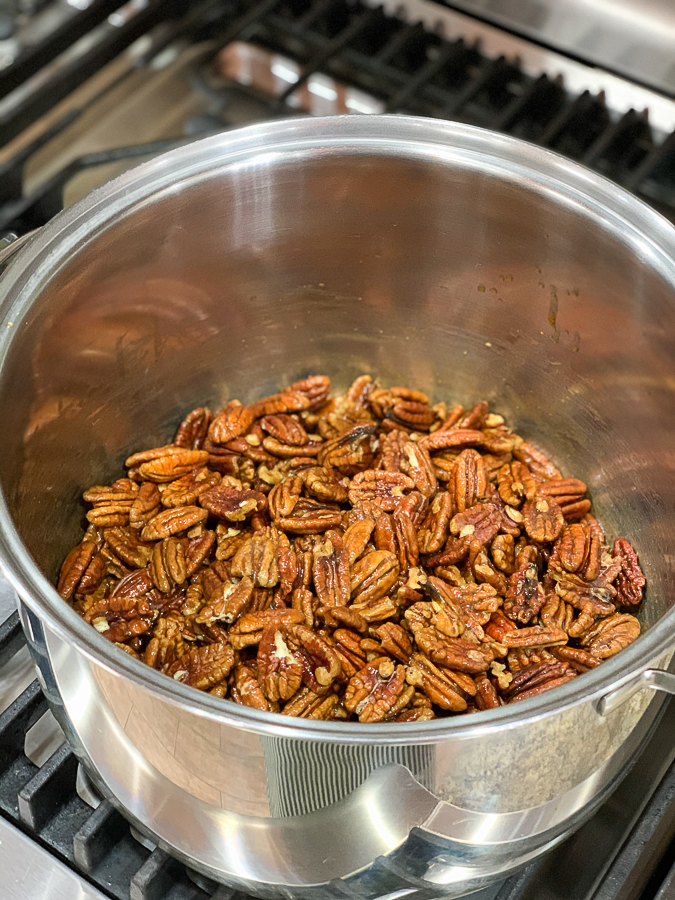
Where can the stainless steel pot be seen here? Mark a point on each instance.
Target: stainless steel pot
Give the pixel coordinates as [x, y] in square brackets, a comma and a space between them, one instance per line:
[461, 262]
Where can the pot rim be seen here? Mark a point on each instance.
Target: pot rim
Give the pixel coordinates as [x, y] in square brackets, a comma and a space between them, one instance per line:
[532, 167]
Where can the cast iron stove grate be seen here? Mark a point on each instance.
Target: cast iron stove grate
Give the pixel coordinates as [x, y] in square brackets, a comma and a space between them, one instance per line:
[408, 68]
[626, 852]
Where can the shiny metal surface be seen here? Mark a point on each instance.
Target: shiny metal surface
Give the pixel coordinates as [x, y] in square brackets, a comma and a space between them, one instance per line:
[633, 37]
[620, 94]
[31, 873]
[460, 261]
[656, 679]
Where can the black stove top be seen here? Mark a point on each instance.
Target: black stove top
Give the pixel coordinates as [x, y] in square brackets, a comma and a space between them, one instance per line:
[405, 66]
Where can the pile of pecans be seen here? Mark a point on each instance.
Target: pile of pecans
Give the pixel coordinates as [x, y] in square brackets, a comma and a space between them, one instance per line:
[367, 556]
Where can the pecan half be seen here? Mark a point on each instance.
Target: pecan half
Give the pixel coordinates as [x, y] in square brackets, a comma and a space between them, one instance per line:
[611, 635]
[543, 519]
[231, 504]
[630, 581]
[194, 428]
[172, 521]
[525, 596]
[469, 481]
[438, 687]
[373, 691]
[373, 576]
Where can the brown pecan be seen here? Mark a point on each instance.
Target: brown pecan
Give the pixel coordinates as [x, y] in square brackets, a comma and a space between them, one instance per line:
[350, 452]
[543, 519]
[478, 523]
[373, 576]
[279, 668]
[112, 504]
[452, 439]
[231, 422]
[356, 538]
[438, 687]
[469, 480]
[166, 644]
[536, 462]
[325, 484]
[418, 466]
[486, 695]
[330, 572]
[610, 635]
[231, 504]
[577, 659]
[284, 496]
[288, 451]
[227, 603]
[74, 567]
[534, 636]
[483, 570]
[475, 417]
[168, 567]
[516, 483]
[394, 641]
[546, 686]
[391, 457]
[533, 676]
[594, 597]
[145, 506]
[386, 489]
[287, 402]
[503, 553]
[197, 551]
[172, 521]
[173, 465]
[321, 665]
[308, 705]
[412, 414]
[184, 491]
[568, 494]
[316, 389]
[310, 517]
[630, 581]
[451, 653]
[246, 689]
[433, 532]
[525, 596]
[373, 691]
[285, 429]
[194, 428]
[257, 559]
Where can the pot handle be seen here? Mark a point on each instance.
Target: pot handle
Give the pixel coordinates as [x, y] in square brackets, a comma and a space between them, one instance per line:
[656, 679]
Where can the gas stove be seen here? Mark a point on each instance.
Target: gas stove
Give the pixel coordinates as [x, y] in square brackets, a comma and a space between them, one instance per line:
[89, 88]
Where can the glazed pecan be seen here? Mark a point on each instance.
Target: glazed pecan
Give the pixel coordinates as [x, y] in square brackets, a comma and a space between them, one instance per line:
[285, 429]
[185, 491]
[227, 603]
[325, 484]
[568, 494]
[168, 567]
[74, 567]
[438, 687]
[173, 521]
[257, 559]
[174, 465]
[543, 519]
[373, 691]
[611, 635]
[350, 452]
[433, 532]
[373, 576]
[478, 523]
[330, 571]
[232, 505]
[368, 556]
[525, 596]
[194, 428]
[630, 581]
[516, 483]
[231, 422]
[469, 481]
[145, 506]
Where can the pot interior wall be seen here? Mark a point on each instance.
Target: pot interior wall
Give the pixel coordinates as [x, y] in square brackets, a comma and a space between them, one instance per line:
[462, 284]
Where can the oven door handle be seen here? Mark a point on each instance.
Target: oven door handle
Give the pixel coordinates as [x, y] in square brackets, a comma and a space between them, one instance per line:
[656, 679]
